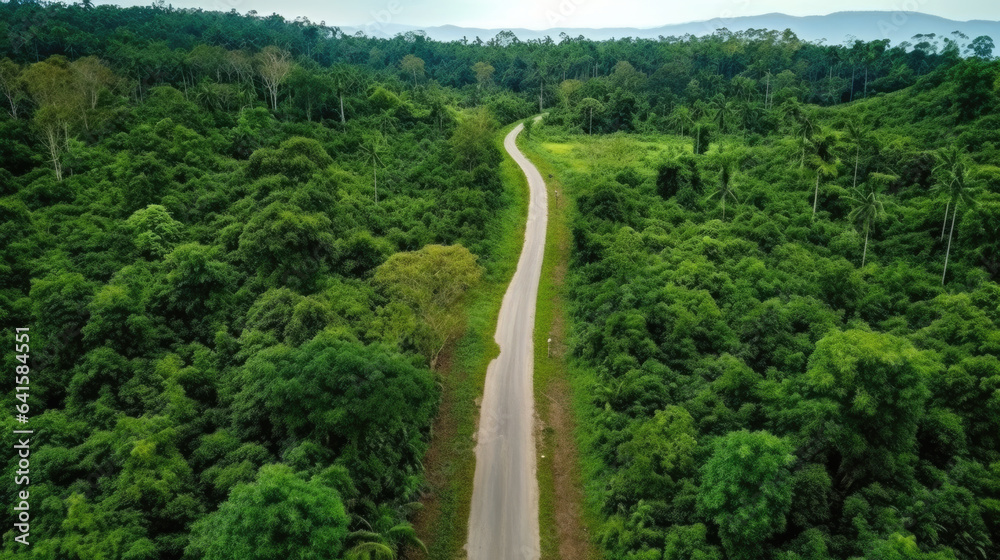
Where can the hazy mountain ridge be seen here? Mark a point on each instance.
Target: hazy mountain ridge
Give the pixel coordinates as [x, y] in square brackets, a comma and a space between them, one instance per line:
[834, 28]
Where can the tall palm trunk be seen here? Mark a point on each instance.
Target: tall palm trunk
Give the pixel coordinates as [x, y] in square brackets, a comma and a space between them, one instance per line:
[864, 254]
[53, 142]
[947, 253]
[857, 158]
[767, 92]
[944, 224]
[852, 83]
[816, 194]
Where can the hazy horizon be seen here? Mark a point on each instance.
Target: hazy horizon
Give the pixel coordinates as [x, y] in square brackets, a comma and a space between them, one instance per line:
[592, 14]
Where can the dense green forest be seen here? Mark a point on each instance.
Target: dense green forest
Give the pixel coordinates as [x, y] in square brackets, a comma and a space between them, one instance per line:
[233, 281]
[787, 339]
[241, 243]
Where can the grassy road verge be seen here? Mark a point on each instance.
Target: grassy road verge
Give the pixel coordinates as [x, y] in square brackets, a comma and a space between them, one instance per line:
[566, 525]
[450, 462]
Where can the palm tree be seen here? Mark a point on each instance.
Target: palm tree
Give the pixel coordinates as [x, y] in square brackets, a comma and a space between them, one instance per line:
[208, 95]
[857, 135]
[727, 187]
[803, 126]
[541, 73]
[699, 109]
[383, 541]
[948, 159]
[587, 105]
[804, 130]
[958, 184]
[744, 87]
[373, 148]
[725, 111]
[824, 160]
[680, 118]
[868, 210]
[369, 550]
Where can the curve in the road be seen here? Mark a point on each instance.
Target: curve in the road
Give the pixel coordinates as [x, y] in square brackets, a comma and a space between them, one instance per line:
[503, 522]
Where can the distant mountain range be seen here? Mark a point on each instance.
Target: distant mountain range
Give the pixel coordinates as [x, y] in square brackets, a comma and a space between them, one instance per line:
[833, 28]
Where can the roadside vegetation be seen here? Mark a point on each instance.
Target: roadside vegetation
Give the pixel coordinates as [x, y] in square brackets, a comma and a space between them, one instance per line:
[786, 345]
[261, 263]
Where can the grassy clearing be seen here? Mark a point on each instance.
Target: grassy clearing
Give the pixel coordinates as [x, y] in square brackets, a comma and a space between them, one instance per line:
[566, 523]
[582, 153]
[450, 463]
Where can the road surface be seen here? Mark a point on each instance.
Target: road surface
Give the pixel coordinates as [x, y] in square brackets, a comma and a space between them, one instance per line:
[503, 522]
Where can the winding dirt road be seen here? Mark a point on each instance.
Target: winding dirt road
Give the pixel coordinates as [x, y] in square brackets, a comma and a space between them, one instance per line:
[503, 523]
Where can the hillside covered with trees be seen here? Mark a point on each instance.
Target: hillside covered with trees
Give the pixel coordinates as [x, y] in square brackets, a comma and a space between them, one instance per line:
[787, 324]
[242, 243]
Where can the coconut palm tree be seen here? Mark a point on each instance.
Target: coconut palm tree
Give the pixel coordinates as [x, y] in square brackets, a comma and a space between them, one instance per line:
[373, 148]
[803, 125]
[959, 185]
[681, 118]
[725, 112]
[948, 159]
[869, 209]
[804, 130]
[727, 186]
[383, 540]
[370, 550]
[823, 160]
[857, 134]
[587, 106]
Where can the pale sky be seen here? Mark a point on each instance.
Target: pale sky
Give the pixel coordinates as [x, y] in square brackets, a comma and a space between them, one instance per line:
[544, 14]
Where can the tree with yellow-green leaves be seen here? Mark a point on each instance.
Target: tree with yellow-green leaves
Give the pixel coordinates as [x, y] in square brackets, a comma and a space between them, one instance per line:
[431, 283]
[484, 74]
[414, 66]
[92, 77]
[273, 65]
[11, 85]
[67, 95]
[473, 137]
[568, 90]
[51, 85]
